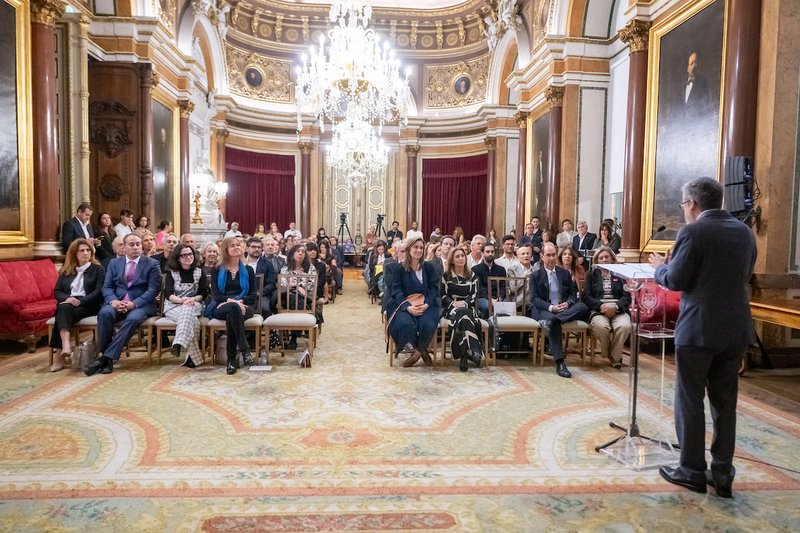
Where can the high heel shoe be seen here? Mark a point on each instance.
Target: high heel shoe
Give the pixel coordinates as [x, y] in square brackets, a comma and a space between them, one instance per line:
[247, 359]
[58, 362]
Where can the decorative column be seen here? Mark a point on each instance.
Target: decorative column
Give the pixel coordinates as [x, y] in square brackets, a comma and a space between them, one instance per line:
[84, 110]
[491, 147]
[636, 34]
[146, 83]
[305, 187]
[555, 96]
[741, 79]
[222, 136]
[45, 136]
[186, 107]
[411, 177]
[522, 121]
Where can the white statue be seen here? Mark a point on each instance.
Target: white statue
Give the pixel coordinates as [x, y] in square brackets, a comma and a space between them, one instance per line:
[490, 31]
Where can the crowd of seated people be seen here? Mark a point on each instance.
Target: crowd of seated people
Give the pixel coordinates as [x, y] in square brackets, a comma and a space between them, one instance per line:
[418, 283]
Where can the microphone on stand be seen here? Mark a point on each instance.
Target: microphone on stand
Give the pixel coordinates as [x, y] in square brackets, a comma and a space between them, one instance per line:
[659, 229]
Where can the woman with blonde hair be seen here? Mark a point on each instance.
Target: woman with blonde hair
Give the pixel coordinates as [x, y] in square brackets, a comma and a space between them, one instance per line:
[79, 293]
[608, 303]
[233, 288]
[459, 305]
[148, 244]
[415, 289]
[458, 235]
[209, 258]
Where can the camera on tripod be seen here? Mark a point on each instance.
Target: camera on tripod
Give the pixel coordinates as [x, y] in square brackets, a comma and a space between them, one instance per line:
[342, 217]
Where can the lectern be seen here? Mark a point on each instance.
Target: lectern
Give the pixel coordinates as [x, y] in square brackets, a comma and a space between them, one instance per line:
[634, 450]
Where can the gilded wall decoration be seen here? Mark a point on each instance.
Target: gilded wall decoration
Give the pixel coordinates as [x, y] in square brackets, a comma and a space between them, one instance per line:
[542, 14]
[457, 84]
[259, 77]
[166, 10]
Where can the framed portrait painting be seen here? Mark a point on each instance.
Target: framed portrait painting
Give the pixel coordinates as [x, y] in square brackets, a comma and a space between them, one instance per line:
[16, 163]
[165, 171]
[685, 88]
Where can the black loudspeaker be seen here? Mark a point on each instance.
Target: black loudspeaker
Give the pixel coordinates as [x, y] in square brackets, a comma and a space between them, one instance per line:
[739, 184]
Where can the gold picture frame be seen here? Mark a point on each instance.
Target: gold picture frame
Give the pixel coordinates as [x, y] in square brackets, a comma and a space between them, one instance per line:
[683, 139]
[170, 107]
[17, 229]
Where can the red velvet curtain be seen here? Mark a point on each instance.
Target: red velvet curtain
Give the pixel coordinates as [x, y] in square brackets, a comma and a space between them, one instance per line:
[454, 194]
[260, 189]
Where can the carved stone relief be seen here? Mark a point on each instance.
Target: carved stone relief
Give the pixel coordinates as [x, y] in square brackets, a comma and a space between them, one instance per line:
[259, 77]
[457, 84]
[109, 123]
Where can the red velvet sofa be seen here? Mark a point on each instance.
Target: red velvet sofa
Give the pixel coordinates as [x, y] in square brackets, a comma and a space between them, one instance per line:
[26, 299]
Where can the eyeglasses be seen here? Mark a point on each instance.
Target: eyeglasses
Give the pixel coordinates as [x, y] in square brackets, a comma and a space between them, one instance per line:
[187, 255]
[683, 203]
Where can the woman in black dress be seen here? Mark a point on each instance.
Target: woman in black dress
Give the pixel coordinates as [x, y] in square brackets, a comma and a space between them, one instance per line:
[79, 293]
[459, 307]
[233, 288]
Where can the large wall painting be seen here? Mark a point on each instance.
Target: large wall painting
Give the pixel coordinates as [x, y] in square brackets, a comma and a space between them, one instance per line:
[684, 102]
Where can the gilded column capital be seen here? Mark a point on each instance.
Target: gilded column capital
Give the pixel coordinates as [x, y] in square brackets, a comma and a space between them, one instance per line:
[521, 117]
[554, 95]
[186, 107]
[305, 147]
[47, 11]
[156, 79]
[412, 150]
[491, 143]
[636, 34]
[222, 134]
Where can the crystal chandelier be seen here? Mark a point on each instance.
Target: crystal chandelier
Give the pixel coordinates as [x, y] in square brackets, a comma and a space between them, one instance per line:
[354, 75]
[356, 152]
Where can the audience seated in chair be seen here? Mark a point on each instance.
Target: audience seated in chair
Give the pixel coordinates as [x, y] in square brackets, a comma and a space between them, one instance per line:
[130, 289]
[376, 270]
[169, 242]
[233, 288]
[609, 303]
[104, 234]
[297, 262]
[554, 302]
[415, 320]
[475, 255]
[185, 290]
[79, 293]
[568, 260]
[484, 269]
[334, 272]
[390, 269]
[459, 306]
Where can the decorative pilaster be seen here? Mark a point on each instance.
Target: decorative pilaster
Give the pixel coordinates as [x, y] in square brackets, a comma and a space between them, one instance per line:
[222, 137]
[636, 33]
[146, 165]
[186, 107]
[555, 97]
[522, 121]
[305, 186]
[45, 136]
[84, 111]
[491, 147]
[411, 191]
[741, 79]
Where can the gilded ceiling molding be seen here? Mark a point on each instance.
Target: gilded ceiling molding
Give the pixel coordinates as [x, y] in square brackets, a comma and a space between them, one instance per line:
[46, 11]
[636, 34]
[554, 95]
[257, 76]
[457, 84]
[166, 14]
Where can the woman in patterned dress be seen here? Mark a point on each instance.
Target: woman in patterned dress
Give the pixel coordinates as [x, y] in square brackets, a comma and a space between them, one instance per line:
[185, 290]
[459, 307]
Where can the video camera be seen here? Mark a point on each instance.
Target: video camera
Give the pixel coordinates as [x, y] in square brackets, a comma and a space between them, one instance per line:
[342, 217]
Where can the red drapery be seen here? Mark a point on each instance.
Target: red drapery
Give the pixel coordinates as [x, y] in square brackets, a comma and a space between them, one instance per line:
[260, 189]
[454, 194]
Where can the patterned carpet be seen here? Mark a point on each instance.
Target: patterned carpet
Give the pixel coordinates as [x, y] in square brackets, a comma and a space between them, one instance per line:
[354, 445]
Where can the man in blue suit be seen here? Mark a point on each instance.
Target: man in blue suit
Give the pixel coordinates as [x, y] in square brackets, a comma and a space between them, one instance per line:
[130, 289]
[711, 262]
[554, 299]
[78, 227]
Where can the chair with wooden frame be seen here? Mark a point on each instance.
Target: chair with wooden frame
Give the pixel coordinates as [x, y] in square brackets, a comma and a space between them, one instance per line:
[85, 324]
[440, 343]
[303, 318]
[253, 323]
[507, 288]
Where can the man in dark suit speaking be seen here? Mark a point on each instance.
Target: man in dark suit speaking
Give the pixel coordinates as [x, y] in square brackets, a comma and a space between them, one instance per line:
[554, 297]
[129, 291]
[711, 262]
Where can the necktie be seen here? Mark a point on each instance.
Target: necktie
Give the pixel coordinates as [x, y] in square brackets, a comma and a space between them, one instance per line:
[554, 292]
[130, 273]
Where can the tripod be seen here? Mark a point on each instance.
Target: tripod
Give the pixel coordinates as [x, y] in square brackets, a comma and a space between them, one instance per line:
[633, 449]
[379, 227]
[342, 228]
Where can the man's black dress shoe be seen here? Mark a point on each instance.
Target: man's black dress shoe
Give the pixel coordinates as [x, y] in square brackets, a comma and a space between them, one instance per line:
[231, 368]
[562, 370]
[247, 359]
[109, 368]
[189, 363]
[176, 350]
[723, 491]
[676, 477]
[96, 366]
